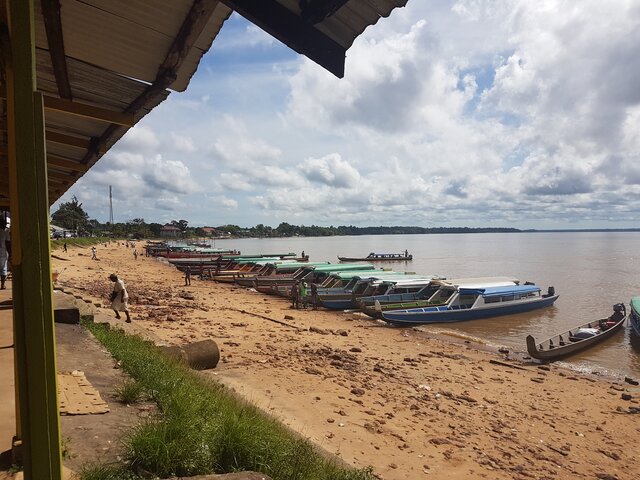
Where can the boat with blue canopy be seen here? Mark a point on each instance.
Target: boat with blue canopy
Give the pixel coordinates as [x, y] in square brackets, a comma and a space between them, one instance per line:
[464, 303]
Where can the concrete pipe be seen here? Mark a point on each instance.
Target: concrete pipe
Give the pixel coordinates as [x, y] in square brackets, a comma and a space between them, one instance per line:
[201, 355]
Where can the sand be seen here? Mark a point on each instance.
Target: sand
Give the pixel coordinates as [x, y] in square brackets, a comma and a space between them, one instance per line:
[412, 407]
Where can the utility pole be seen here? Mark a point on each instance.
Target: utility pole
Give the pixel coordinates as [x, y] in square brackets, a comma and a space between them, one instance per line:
[110, 208]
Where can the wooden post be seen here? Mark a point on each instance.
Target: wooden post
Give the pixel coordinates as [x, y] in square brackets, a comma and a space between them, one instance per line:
[31, 268]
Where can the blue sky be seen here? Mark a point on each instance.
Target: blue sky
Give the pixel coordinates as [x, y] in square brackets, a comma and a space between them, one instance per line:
[461, 113]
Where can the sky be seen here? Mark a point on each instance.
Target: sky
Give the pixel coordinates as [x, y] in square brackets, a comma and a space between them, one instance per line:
[477, 113]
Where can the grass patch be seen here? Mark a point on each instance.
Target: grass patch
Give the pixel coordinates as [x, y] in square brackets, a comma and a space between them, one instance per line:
[130, 392]
[106, 472]
[201, 428]
[78, 241]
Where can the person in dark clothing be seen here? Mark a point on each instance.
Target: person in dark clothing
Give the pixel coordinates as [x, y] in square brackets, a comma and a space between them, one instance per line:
[295, 296]
[314, 296]
[187, 276]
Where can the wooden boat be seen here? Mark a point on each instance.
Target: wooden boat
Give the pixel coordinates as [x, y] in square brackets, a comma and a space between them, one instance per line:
[368, 285]
[578, 338]
[379, 257]
[634, 315]
[373, 306]
[474, 303]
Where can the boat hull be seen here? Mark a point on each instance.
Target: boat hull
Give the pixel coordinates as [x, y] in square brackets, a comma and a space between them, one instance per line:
[446, 315]
[570, 348]
[376, 259]
[634, 315]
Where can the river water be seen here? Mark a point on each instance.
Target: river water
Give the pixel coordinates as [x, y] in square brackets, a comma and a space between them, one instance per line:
[590, 271]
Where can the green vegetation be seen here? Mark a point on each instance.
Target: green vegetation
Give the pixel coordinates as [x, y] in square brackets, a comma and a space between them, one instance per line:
[78, 242]
[129, 392]
[71, 216]
[202, 428]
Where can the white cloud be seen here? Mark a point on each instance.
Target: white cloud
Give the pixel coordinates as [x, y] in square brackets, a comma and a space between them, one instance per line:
[330, 170]
[499, 112]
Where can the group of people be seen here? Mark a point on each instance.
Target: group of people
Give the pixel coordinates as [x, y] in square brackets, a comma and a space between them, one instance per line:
[300, 295]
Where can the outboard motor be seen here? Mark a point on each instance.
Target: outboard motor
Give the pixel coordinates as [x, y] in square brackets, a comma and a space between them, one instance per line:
[618, 307]
[551, 291]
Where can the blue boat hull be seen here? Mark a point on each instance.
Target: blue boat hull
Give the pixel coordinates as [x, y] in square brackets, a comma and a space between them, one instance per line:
[337, 304]
[444, 315]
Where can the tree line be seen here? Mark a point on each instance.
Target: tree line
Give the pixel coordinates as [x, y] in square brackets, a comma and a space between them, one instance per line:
[71, 216]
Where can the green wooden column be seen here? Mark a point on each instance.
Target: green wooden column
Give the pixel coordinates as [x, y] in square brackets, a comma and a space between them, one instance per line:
[39, 426]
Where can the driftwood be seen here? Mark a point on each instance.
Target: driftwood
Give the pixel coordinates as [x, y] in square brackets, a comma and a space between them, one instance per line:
[509, 365]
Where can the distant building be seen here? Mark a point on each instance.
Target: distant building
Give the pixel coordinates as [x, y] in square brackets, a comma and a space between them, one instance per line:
[170, 231]
[209, 231]
[59, 232]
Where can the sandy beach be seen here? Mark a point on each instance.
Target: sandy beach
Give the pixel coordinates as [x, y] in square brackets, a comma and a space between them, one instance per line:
[412, 407]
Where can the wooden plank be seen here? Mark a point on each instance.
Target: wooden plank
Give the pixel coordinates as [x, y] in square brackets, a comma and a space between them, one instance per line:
[55, 40]
[60, 176]
[88, 111]
[35, 360]
[70, 140]
[55, 137]
[66, 164]
[84, 110]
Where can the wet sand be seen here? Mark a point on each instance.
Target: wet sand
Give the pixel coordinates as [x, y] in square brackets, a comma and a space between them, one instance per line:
[410, 406]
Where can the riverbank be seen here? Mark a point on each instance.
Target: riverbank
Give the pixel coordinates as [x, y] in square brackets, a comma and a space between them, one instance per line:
[411, 407]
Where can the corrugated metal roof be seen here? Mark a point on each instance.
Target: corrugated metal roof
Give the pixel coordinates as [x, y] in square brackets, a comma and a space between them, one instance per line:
[351, 19]
[113, 52]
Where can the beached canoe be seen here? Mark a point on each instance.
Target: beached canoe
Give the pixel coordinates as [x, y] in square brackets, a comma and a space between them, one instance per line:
[578, 338]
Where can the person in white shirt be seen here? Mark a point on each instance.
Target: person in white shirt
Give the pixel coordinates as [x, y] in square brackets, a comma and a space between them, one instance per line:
[119, 297]
[5, 250]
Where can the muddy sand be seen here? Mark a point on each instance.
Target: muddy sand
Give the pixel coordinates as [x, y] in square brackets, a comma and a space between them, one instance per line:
[413, 407]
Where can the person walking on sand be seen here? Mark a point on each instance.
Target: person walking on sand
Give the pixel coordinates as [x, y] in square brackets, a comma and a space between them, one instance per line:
[93, 253]
[187, 276]
[64, 247]
[314, 296]
[119, 297]
[5, 251]
[135, 254]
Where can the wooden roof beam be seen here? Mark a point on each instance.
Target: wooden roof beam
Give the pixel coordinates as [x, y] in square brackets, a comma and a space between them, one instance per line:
[83, 110]
[54, 161]
[55, 40]
[67, 164]
[60, 175]
[61, 138]
[68, 140]
[88, 111]
[293, 31]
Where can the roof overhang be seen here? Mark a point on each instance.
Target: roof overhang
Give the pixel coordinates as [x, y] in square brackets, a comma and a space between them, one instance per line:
[102, 65]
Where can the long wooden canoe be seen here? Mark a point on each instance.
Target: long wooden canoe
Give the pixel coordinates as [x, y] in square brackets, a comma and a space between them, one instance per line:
[578, 338]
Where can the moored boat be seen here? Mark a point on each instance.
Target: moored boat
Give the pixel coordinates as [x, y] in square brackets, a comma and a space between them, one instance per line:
[474, 303]
[373, 306]
[379, 257]
[634, 315]
[578, 338]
